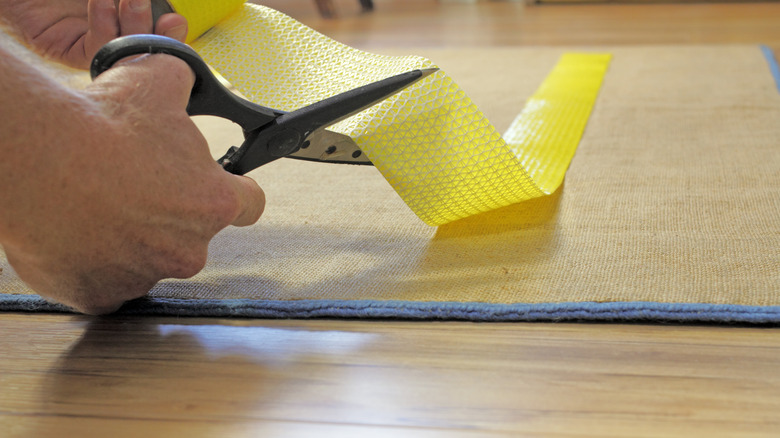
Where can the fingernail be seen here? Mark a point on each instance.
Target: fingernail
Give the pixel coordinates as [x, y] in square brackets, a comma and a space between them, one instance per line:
[139, 5]
[178, 32]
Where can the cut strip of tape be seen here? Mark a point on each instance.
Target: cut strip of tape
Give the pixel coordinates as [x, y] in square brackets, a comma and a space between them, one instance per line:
[431, 142]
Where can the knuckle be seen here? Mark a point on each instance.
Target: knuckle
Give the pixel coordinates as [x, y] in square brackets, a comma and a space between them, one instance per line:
[226, 206]
[104, 290]
[98, 308]
[85, 299]
[187, 263]
[174, 68]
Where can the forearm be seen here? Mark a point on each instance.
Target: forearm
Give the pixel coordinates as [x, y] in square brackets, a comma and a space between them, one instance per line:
[37, 114]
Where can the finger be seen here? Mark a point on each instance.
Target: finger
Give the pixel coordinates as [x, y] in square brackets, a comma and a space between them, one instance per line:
[103, 25]
[135, 16]
[251, 199]
[173, 26]
[102, 18]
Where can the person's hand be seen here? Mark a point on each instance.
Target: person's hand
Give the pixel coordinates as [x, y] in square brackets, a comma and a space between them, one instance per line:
[122, 191]
[72, 31]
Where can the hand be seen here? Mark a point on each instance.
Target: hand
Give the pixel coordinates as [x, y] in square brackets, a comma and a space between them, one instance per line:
[72, 31]
[123, 193]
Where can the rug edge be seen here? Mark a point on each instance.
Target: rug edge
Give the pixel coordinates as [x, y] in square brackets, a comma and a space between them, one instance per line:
[774, 68]
[626, 311]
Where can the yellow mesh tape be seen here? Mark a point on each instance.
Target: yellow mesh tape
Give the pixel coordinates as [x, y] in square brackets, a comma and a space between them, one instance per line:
[545, 135]
[203, 15]
[431, 143]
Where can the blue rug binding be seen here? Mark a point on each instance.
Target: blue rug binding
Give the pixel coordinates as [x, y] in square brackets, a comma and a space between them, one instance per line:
[409, 310]
[773, 66]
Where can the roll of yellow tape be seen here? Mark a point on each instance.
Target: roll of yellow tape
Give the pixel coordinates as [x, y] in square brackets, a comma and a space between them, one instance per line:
[431, 143]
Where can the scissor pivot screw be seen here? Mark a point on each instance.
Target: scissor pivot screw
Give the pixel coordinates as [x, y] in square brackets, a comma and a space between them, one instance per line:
[284, 143]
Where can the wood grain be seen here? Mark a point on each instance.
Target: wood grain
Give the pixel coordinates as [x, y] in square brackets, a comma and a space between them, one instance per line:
[72, 376]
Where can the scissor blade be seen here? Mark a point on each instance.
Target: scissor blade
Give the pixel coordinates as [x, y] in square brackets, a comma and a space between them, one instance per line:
[324, 145]
[341, 106]
[333, 147]
[289, 133]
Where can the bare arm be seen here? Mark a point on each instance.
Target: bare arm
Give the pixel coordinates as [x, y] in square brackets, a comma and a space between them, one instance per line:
[104, 192]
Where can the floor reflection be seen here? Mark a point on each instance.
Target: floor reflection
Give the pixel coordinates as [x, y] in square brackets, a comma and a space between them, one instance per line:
[135, 369]
[263, 343]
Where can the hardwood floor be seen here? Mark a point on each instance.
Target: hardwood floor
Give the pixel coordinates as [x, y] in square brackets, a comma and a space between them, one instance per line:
[74, 376]
[128, 377]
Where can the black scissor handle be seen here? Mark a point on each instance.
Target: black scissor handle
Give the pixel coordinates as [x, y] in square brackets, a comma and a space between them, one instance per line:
[208, 96]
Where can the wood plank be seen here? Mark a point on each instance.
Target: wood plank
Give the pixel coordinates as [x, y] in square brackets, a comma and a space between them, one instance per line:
[165, 375]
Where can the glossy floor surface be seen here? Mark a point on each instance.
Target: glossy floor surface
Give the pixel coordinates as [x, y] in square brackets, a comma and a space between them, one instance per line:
[126, 377]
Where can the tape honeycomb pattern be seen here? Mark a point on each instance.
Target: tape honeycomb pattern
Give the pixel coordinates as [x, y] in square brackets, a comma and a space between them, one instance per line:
[431, 142]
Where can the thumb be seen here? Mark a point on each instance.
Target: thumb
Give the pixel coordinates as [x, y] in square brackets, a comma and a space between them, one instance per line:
[163, 81]
[251, 200]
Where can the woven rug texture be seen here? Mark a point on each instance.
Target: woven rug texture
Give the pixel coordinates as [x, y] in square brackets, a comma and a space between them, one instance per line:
[672, 202]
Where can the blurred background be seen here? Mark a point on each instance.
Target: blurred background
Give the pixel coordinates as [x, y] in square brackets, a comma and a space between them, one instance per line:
[449, 23]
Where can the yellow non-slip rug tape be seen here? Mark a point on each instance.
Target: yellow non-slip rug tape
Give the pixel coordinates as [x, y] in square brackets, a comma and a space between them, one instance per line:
[202, 15]
[431, 143]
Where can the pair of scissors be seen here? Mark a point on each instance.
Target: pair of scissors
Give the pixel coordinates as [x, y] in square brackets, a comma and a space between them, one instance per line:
[269, 134]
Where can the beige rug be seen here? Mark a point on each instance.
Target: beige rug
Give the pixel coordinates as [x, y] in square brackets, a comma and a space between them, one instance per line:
[670, 211]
